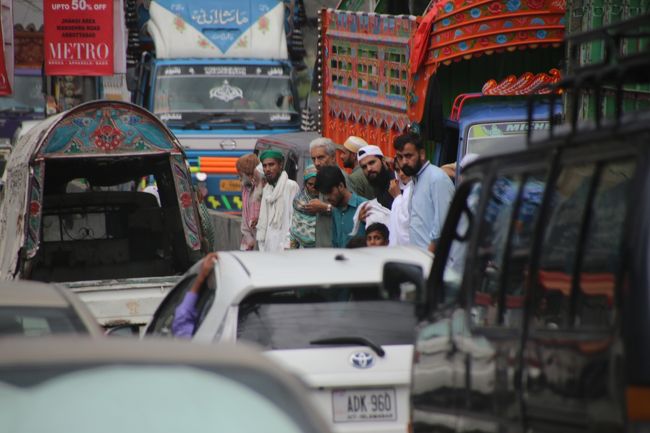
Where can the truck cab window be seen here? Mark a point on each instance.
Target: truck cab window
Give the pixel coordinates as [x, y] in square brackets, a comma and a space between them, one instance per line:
[601, 261]
[560, 244]
[455, 264]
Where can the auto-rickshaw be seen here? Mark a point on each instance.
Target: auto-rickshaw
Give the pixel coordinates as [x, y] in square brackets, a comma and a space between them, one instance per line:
[78, 211]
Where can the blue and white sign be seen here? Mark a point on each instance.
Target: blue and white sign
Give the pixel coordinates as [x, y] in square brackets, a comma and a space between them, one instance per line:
[227, 28]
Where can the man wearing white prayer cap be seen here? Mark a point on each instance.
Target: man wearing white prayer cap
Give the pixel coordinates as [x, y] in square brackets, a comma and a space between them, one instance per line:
[357, 181]
[371, 160]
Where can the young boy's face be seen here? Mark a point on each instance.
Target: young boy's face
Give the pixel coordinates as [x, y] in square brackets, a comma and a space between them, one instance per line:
[376, 239]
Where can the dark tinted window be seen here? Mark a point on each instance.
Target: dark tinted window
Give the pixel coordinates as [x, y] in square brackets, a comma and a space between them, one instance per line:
[39, 321]
[491, 248]
[455, 264]
[560, 244]
[518, 260]
[601, 261]
[293, 318]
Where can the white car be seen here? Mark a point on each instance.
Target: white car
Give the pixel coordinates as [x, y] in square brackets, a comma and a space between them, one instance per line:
[325, 315]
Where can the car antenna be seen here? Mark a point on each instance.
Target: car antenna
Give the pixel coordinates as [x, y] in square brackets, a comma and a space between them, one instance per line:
[340, 257]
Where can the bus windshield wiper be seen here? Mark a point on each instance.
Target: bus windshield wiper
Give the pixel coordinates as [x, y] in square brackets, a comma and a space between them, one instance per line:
[209, 117]
[361, 341]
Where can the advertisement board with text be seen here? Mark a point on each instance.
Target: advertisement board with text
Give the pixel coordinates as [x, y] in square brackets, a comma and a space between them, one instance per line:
[78, 37]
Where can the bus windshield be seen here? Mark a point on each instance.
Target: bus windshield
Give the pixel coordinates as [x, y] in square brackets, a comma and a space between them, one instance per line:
[265, 93]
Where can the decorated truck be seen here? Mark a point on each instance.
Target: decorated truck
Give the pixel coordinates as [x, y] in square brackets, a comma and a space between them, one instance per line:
[220, 78]
[381, 75]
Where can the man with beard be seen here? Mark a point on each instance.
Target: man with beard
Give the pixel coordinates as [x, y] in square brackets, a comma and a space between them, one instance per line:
[276, 209]
[357, 181]
[331, 183]
[371, 160]
[431, 194]
[251, 192]
[323, 154]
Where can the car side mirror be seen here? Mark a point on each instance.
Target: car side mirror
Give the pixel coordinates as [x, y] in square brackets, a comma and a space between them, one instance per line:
[405, 281]
[123, 330]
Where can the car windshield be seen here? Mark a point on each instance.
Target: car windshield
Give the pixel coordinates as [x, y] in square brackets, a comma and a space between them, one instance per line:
[27, 95]
[38, 321]
[227, 90]
[484, 137]
[130, 398]
[296, 318]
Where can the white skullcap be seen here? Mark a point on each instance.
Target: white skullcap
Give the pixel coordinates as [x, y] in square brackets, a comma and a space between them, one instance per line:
[354, 143]
[370, 150]
[468, 159]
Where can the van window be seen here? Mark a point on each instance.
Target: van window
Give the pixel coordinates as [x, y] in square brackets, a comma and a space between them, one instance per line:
[455, 264]
[602, 249]
[518, 261]
[560, 244]
[491, 247]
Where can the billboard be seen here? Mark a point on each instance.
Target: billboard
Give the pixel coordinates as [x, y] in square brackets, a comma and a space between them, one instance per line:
[78, 37]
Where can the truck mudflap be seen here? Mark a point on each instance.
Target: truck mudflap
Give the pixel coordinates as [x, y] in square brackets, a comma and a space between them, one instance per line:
[125, 301]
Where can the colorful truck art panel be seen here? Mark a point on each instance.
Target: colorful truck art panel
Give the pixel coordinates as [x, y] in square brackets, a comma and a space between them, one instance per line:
[375, 69]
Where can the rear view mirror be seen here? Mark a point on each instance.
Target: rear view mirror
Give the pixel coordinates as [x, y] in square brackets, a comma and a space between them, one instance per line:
[404, 281]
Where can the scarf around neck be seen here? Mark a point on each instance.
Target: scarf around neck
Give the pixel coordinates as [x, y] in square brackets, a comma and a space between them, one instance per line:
[272, 209]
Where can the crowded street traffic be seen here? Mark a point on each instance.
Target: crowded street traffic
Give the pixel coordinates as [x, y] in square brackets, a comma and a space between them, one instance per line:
[337, 216]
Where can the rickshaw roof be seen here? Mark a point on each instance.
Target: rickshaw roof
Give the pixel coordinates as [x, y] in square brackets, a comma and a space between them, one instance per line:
[97, 128]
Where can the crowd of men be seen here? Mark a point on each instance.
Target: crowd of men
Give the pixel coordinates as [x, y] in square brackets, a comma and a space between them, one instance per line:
[379, 202]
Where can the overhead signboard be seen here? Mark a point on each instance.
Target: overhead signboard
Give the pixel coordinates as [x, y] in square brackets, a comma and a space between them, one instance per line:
[79, 37]
[218, 29]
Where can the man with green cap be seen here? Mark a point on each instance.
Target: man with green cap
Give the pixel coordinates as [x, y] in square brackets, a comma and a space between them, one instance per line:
[276, 209]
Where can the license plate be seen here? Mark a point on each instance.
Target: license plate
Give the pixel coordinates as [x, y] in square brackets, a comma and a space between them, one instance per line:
[229, 185]
[378, 404]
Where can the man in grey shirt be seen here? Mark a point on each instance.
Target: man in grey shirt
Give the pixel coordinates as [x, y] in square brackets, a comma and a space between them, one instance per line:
[358, 182]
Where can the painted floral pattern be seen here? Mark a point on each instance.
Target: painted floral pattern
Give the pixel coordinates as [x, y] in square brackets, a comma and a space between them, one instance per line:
[243, 42]
[263, 24]
[203, 43]
[107, 137]
[503, 24]
[179, 23]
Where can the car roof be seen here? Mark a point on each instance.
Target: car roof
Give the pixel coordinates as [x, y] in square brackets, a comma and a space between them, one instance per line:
[316, 266]
[74, 352]
[92, 351]
[31, 294]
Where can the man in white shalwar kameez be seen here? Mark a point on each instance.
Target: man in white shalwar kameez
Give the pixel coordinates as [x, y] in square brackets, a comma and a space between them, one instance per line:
[276, 209]
[398, 225]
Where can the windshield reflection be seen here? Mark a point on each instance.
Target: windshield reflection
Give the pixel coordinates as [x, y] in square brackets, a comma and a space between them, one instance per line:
[295, 318]
[204, 93]
[27, 95]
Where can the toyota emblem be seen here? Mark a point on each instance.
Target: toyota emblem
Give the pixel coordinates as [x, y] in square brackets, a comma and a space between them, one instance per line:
[362, 360]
